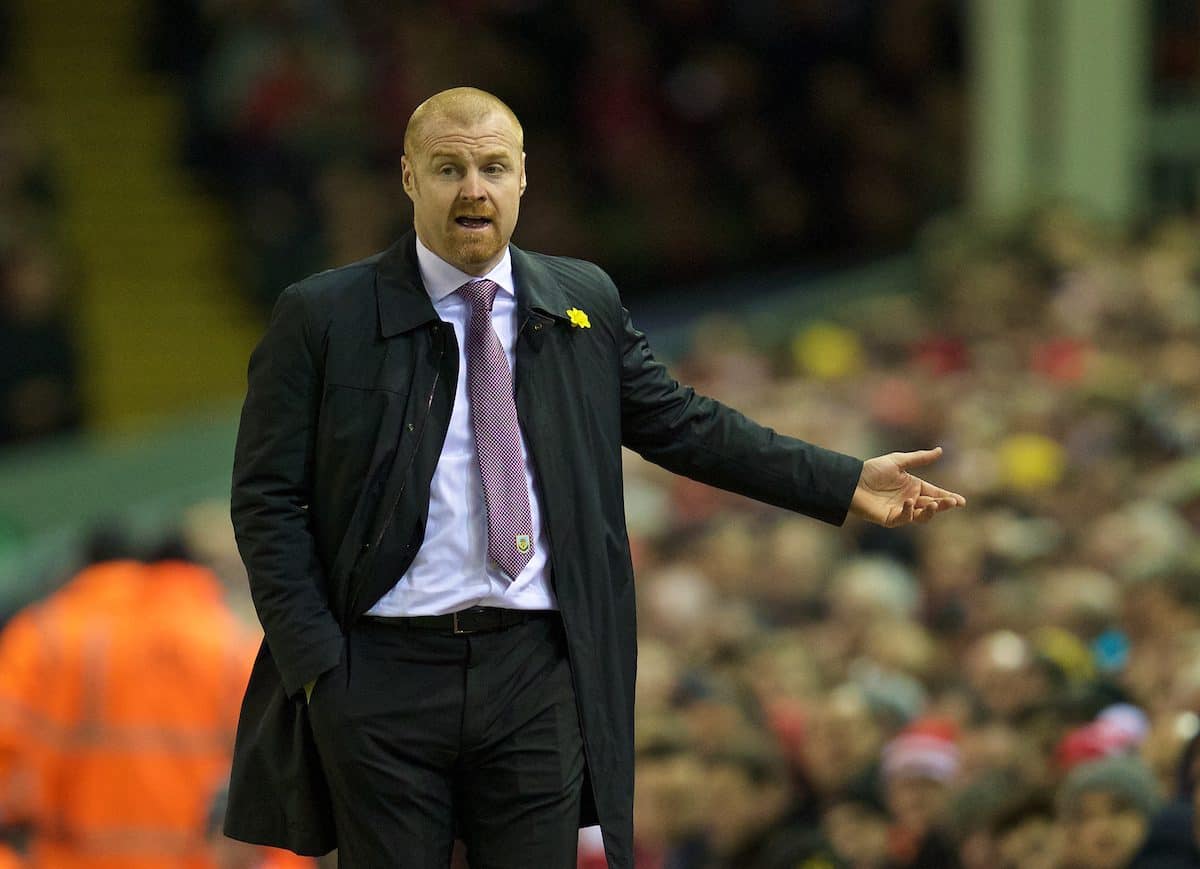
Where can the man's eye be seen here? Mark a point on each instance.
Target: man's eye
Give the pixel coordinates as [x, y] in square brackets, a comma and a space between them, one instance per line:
[494, 169]
[446, 170]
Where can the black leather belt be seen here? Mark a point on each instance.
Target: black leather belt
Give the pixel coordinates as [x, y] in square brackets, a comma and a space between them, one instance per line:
[475, 620]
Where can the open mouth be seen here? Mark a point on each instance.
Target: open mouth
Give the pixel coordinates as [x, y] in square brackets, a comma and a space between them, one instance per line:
[473, 222]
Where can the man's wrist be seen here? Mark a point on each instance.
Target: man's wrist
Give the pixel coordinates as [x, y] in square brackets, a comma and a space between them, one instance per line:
[860, 503]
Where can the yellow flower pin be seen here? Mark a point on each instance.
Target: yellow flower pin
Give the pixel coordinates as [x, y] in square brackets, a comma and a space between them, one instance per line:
[578, 318]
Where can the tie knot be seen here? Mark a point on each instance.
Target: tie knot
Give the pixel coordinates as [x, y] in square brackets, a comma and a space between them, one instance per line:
[480, 294]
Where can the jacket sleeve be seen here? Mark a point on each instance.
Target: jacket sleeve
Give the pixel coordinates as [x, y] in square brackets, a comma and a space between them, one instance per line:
[272, 481]
[24, 727]
[698, 437]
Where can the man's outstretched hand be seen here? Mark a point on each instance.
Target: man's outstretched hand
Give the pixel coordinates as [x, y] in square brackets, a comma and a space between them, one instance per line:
[888, 495]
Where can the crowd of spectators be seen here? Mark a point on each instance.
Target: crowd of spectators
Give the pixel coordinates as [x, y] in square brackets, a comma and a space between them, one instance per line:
[1014, 686]
[39, 369]
[670, 140]
[1176, 50]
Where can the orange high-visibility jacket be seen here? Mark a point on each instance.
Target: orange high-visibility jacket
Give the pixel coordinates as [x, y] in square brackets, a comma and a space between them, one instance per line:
[9, 858]
[119, 697]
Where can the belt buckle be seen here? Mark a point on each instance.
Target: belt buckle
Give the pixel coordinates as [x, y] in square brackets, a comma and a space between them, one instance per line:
[454, 625]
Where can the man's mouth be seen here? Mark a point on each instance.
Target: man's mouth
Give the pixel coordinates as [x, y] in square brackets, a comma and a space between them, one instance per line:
[473, 222]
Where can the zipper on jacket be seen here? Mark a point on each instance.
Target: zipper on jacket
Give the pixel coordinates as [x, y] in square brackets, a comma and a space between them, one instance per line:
[437, 373]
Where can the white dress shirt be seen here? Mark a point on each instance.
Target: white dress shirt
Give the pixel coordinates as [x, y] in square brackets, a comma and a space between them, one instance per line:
[452, 570]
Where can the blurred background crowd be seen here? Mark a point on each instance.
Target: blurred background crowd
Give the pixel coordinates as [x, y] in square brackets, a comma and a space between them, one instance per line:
[1015, 685]
[829, 128]
[39, 383]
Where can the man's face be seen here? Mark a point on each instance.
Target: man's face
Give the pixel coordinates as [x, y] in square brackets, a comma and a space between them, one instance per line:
[1105, 832]
[916, 802]
[842, 741]
[739, 808]
[668, 798]
[857, 833]
[1033, 844]
[465, 182]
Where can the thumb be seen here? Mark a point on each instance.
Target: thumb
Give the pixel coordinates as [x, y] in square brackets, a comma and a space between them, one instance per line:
[917, 459]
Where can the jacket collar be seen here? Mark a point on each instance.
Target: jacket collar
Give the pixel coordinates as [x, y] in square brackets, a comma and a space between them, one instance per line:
[404, 302]
[537, 288]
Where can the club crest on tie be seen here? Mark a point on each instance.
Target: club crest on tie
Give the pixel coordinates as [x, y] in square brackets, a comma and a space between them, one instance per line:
[579, 318]
[522, 543]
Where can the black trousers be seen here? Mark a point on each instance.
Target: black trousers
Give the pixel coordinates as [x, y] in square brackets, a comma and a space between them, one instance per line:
[425, 737]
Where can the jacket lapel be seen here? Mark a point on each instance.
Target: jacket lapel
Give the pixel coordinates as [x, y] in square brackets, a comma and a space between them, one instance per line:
[538, 291]
[400, 294]
[407, 320]
[541, 305]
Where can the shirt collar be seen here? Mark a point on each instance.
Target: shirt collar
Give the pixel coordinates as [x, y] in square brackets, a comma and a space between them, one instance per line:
[441, 279]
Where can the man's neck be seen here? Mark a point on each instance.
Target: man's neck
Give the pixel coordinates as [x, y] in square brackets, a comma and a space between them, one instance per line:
[442, 277]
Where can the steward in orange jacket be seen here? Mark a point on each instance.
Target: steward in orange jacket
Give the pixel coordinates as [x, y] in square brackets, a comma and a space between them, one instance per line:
[9, 858]
[119, 697]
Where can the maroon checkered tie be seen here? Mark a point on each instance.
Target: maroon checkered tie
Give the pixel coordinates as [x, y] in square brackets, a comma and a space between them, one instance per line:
[497, 438]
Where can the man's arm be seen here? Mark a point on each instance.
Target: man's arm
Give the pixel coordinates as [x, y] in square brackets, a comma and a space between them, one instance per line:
[26, 649]
[272, 482]
[701, 438]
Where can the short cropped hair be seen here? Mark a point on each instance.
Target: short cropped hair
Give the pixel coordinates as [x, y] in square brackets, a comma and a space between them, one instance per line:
[465, 105]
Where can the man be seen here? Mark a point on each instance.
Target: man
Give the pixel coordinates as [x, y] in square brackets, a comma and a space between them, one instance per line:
[1104, 811]
[1026, 835]
[118, 697]
[427, 496]
[750, 820]
[918, 767]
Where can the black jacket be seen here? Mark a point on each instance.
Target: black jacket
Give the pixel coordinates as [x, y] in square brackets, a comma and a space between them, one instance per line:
[348, 403]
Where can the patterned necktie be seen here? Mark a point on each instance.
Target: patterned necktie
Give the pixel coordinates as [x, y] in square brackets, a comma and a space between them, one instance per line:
[497, 438]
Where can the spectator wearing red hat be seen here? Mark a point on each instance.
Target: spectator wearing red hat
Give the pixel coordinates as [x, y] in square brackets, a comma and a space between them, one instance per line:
[919, 765]
[1117, 731]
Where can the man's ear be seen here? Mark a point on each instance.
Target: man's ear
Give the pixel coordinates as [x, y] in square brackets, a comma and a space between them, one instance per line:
[407, 177]
[524, 181]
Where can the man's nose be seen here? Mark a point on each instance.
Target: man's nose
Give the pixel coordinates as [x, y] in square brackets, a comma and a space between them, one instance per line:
[472, 186]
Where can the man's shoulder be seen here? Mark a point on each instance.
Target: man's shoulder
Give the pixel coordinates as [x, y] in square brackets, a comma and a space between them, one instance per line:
[334, 284]
[572, 273]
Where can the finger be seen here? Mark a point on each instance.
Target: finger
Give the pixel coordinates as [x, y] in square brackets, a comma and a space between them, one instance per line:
[925, 515]
[943, 503]
[906, 513]
[917, 459]
[932, 491]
